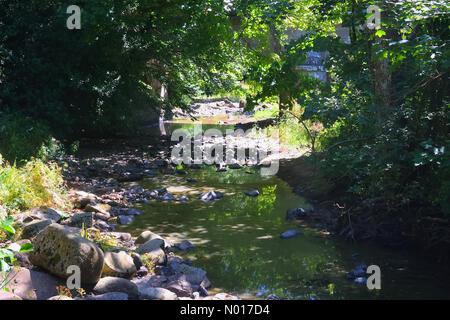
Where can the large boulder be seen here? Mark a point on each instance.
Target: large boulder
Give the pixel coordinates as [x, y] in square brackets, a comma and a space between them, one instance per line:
[119, 265]
[112, 284]
[59, 247]
[30, 230]
[31, 285]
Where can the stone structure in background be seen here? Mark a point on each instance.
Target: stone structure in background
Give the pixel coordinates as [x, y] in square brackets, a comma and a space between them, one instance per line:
[315, 60]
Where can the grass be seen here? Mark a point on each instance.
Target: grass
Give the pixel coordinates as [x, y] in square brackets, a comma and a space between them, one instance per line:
[35, 184]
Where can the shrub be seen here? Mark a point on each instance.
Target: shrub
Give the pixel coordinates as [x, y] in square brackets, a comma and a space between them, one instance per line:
[34, 184]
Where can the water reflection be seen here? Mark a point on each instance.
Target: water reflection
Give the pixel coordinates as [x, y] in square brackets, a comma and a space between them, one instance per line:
[238, 242]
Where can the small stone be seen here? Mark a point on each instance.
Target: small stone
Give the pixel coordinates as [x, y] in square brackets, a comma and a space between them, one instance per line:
[360, 281]
[111, 284]
[60, 298]
[296, 214]
[185, 246]
[211, 196]
[110, 296]
[81, 220]
[124, 220]
[157, 294]
[290, 234]
[147, 236]
[181, 288]
[101, 211]
[49, 214]
[252, 193]
[119, 265]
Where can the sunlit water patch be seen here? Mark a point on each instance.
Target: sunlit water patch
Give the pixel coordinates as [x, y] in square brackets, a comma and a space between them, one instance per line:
[238, 242]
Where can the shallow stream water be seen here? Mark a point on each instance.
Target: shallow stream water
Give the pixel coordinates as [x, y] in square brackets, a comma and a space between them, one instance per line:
[238, 243]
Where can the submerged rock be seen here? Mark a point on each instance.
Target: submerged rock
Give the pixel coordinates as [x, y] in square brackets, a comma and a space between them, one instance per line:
[211, 196]
[253, 193]
[184, 246]
[124, 220]
[59, 247]
[358, 272]
[290, 234]
[296, 214]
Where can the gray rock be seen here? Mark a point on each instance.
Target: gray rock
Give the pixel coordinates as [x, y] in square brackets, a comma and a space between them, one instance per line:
[103, 226]
[49, 214]
[81, 199]
[119, 265]
[252, 193]
[60, 298]
[362, 281]
[124, 220]
[80, 220]
[211, 196]
[181, 288]
[31, 285]
[296, 214]
[150, 281]
[130, 177]
[152, 249]
[7, 296]
[130, 212]
[110, 296]
[111, 284]
[150, 245]
[184, 246]
[290, 234]
[101, 211]
[193, 275]
[147, 236]
[157, 294]
[30, 230]
[58, 247]
[358, 272]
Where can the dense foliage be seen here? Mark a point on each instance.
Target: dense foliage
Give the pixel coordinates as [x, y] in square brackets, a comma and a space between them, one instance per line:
[93, 80]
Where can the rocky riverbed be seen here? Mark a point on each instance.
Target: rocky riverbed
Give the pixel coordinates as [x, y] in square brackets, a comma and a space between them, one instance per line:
[114, 265]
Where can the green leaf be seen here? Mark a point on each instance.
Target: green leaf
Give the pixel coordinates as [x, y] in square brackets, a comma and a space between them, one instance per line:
[27, 247]
[380, 33]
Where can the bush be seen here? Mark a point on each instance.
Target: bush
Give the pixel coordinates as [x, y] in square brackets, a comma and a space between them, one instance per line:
[35, 184]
